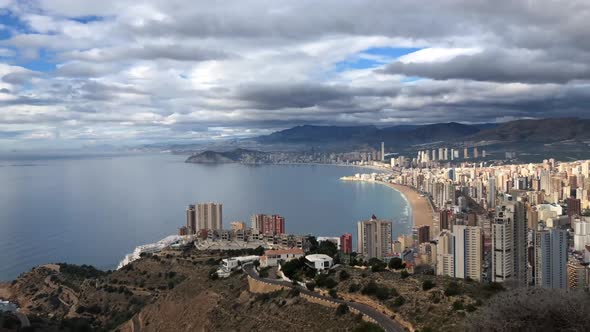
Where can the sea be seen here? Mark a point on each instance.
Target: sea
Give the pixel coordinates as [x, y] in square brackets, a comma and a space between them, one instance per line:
[95, 209]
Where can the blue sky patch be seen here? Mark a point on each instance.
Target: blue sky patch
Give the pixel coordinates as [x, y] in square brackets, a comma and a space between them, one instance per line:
[373, 57]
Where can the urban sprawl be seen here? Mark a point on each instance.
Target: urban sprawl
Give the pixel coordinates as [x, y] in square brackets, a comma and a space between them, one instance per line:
[518, 224]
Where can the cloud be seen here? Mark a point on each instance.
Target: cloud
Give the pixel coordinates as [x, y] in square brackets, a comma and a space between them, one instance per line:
[128, 72]
[497, 66]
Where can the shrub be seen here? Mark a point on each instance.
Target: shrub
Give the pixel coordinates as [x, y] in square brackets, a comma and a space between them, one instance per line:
[383, 293]
[399, 301]
[333, 293]
[342, 309]
[405, 274]
[310, 285]
[370, 288]
[353, 288]
[427, 284]
[263, 273]
[452, 289]
[458, 305]
[323, 280]
[343, 275]
[396, 263]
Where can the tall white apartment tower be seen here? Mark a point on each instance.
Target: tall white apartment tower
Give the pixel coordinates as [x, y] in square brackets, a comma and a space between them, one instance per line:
[209, 216]
[374, 238]
[445, 254]
[509, 242]
[550, 258]
[382, 151]
[468, 252]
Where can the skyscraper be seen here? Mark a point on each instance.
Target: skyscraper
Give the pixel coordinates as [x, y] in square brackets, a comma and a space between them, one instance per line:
[581, 233]
[209, 216]
[468, 252]
[509, 242]
[423, 234]
[445, 254]
[491, 192]
[574, 206]
[382, 151]
[444, 219]
[550, 258]
[374, 238]
[191, 220]
[346, 243]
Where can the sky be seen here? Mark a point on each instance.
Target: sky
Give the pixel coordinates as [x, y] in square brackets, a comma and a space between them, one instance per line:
[78, 74]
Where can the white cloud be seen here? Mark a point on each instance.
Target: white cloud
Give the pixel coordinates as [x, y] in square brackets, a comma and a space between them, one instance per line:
[150, 70]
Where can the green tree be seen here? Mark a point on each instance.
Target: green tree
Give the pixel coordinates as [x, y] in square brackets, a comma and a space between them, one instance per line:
[427, 284]
[452, 289]
[333, 293]
[328, 248]
[396, 263]
[342, 309]
[343, 275]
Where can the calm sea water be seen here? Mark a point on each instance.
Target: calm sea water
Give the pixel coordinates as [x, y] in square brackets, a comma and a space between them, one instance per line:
[95, 210]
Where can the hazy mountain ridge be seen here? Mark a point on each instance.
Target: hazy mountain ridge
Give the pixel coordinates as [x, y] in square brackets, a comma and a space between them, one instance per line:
[542, 130]
[402, 135]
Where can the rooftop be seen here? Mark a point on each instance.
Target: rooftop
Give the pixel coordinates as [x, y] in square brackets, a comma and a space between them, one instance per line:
[318, 258]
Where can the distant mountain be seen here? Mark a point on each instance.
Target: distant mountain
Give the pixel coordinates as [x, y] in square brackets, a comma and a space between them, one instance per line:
[426, 133]
[320, 134]
[537, 131]
[402, 135]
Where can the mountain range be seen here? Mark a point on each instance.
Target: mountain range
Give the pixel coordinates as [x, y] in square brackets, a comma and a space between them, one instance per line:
[519, 131]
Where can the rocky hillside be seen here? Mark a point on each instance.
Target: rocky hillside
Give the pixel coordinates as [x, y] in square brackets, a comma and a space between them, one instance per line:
[234, 156]
[169, 292]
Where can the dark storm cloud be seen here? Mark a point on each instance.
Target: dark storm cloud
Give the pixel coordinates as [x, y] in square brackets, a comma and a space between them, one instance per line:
[147, 69]
[497, 66]
[273, 96]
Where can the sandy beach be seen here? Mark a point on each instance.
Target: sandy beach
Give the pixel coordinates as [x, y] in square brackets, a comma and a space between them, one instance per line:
[421, 210]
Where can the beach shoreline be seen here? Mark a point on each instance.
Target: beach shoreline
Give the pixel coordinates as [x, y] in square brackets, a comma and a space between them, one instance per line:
[421, 212]
[420, 209]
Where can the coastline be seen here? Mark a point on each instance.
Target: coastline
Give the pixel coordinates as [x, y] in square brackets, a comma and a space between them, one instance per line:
[421, 212]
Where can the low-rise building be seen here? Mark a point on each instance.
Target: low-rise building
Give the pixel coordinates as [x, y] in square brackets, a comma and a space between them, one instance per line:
[319, 262]
[274, 257]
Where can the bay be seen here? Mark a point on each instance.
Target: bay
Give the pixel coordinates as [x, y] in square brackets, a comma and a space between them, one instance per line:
[94, 210]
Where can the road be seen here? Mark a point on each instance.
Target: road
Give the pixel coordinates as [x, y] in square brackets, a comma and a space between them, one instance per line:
[388, 324]
[24, 320]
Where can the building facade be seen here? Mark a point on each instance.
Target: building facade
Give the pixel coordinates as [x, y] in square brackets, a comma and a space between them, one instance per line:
[550, 258]
[509, 242]
[268, 224]
[346, 243]
[374, 238]
[209, 216]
